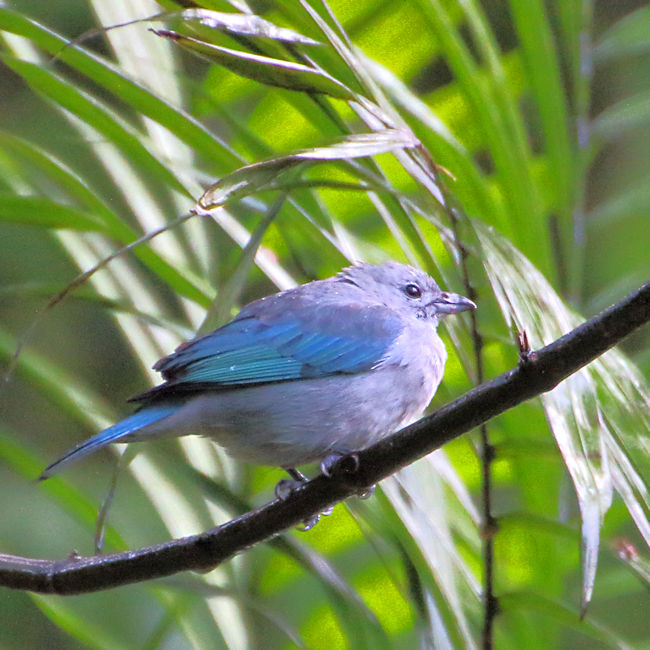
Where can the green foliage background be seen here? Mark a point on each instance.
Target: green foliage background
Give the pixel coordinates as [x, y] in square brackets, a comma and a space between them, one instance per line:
[536, 112]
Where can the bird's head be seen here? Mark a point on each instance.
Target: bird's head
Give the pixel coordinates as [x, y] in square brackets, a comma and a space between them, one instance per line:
[403, 287]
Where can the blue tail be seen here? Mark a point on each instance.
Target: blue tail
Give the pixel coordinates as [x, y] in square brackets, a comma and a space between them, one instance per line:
[143, 418]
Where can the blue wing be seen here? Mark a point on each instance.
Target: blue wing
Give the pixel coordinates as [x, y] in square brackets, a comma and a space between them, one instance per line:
[269, 345]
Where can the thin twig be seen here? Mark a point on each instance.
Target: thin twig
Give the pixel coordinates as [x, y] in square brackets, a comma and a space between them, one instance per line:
[486, 449]
[80, 280]
[543, 370]
[486, 452]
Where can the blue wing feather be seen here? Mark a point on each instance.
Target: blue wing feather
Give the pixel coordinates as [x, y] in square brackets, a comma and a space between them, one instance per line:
[270, 346]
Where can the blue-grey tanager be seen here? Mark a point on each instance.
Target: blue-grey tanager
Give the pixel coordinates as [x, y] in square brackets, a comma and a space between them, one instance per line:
[318, 371]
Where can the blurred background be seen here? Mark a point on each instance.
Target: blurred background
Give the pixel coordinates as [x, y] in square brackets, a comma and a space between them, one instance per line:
[537, 114]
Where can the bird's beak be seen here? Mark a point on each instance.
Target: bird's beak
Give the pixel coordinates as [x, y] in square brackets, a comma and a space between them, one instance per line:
[452, 303]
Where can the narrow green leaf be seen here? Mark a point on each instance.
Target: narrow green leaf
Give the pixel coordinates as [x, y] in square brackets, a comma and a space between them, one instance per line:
[630, 113]
[445, 148]
[62, 613]
[544, 75]
[263, 175]
[73, 501]
[244, 25]
[628, 37]
[220, 309]
[39, 211]
[229, 23]
[89, 295]
[345, 601]
[89, 109]
[558, 611]
[501, 125]
[185, 127]
[73, 397]
[38, 162]
[264, 69]
[632, 200]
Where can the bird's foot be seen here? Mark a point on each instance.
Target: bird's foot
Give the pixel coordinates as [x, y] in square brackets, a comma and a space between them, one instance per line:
[348, 463]
[308, 524]
[286, 486]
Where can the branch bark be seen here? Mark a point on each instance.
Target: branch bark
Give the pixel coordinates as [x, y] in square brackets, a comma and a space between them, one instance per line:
[539, 372]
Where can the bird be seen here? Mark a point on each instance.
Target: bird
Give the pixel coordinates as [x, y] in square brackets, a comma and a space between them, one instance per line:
[311, 374]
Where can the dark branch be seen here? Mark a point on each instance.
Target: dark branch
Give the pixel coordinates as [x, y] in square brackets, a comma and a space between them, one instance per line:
[541, 371]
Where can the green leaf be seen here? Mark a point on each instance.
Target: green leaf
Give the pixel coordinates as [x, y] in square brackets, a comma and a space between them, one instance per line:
[38, 162]
[62, 614]
[71, 500]
[628, 37]
[99, 117]
[108, 75]
[38, 211]
[500, 124]
[630, 113]
[264, 69]
[91, 111]
[544, 75]
[263, 175]
[243, 24]
[558, 611]
[226, 298]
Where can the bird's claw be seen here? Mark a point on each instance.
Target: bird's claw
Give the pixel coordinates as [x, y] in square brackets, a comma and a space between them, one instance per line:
[308, 524]
[348, 463]
[286, 487]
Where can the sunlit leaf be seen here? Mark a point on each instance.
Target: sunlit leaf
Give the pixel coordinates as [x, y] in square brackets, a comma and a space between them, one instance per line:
[95, 114]
[579, 408]
[409, 490]
[38, 163]
[105, 73]
[485, 89]
[243, 24]
[225, 300]
[264, 69]
[263, 175]
[229, 23]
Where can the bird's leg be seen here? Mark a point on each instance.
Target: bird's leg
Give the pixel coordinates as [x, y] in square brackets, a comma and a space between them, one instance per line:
[286, 486]
[296, 475]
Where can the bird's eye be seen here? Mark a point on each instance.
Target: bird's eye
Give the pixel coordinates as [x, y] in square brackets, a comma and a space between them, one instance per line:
[413, 291]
